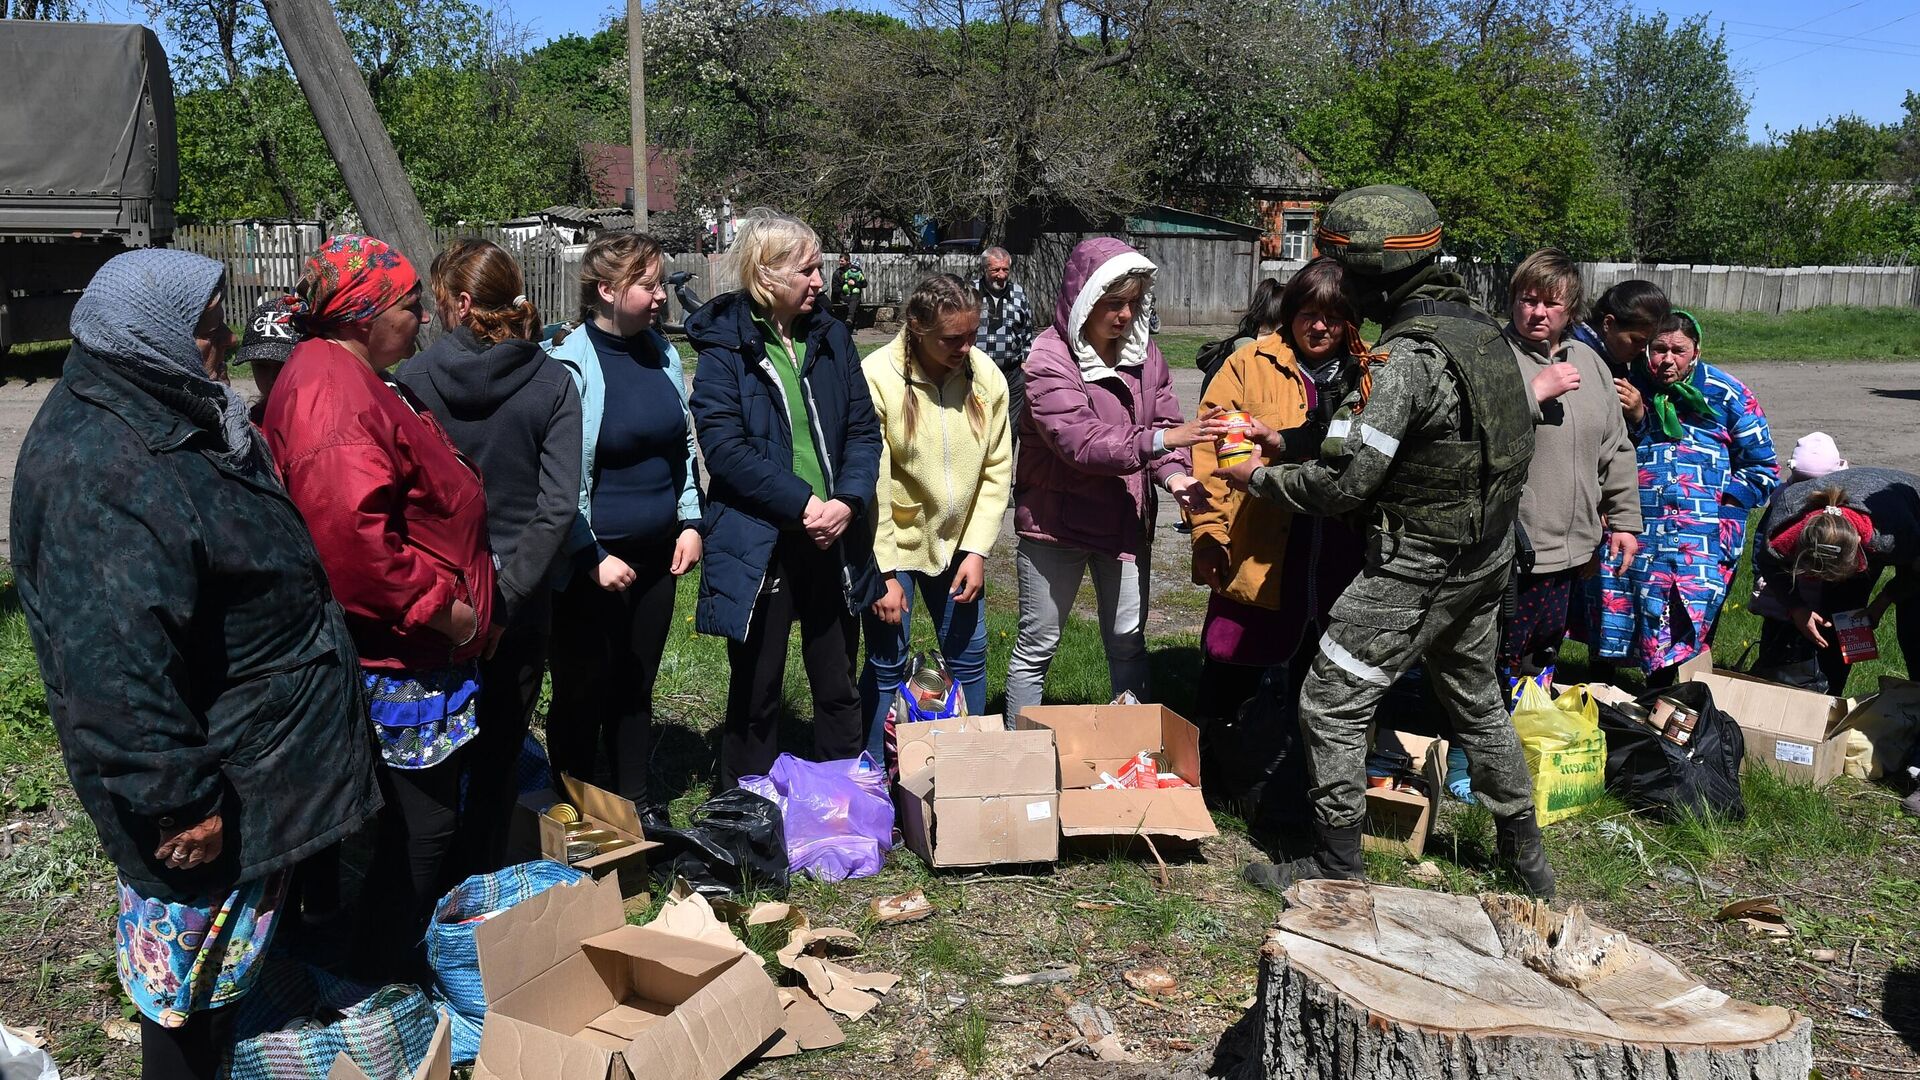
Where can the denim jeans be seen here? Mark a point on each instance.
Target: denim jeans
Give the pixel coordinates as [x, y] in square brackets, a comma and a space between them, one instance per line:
[961, 630]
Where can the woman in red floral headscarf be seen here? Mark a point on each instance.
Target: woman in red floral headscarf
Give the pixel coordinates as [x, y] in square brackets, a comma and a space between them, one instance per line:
[400, 521]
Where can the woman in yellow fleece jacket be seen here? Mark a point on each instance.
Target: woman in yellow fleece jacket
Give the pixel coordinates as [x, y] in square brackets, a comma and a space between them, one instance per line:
[946, 468]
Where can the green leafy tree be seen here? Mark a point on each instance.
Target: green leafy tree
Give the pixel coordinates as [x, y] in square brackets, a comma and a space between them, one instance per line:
[1494, 136]
[1811, 196]
[1669, 112]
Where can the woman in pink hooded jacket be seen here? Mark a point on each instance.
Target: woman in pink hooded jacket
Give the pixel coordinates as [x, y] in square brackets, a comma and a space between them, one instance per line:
[1101, 428]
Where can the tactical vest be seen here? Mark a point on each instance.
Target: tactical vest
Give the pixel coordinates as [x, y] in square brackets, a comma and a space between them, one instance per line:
[1462, 489]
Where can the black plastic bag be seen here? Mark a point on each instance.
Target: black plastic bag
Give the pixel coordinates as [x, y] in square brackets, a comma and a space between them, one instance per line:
[736, 844]
[1254, 766]
[1648, 771]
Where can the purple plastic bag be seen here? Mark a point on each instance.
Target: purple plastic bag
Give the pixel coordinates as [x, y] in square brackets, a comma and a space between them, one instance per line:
[838, 814]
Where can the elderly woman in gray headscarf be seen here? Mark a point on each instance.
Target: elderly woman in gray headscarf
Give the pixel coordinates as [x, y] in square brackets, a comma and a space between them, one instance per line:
[201, 679]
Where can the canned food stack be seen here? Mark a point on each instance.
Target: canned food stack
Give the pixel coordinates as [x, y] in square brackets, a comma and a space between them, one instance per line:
[585, 839]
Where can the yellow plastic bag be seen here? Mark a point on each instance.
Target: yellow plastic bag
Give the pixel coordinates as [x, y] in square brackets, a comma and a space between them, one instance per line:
[1566, 750]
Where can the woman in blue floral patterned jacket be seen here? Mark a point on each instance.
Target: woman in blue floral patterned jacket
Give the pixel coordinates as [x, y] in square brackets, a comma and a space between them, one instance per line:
[1706, 462]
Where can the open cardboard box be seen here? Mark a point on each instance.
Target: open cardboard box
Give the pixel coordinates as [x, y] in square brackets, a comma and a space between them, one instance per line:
[1400, 822]
[548, 836]
[576, 994]
[1797, 733]
[1091, 739]
[972, 793]
[437, 1065]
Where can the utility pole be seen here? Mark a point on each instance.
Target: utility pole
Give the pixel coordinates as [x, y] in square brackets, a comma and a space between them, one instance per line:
[637, 87]
[355, 134]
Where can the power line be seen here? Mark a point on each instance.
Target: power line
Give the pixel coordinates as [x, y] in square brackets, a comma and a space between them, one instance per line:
[1853, 37]
[1912, 52]
[1804, 25]
[1803, 33]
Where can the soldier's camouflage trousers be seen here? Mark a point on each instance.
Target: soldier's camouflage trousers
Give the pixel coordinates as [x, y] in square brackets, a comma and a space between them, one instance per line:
[1381, 626]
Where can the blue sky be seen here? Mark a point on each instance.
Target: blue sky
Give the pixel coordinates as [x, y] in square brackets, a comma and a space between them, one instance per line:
[1800, 61]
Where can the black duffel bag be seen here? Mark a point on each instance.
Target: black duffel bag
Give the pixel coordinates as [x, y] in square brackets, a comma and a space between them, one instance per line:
[1648, 771]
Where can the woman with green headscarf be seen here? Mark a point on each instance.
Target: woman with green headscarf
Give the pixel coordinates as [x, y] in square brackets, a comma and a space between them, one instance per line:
[1706, 461]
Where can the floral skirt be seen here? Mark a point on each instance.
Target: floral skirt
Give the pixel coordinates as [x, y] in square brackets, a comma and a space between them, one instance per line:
[421, 717]
[179, 959]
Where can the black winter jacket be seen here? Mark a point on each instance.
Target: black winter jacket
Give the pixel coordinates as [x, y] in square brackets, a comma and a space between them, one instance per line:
[193, 655]
[740, 418]
[513, 410]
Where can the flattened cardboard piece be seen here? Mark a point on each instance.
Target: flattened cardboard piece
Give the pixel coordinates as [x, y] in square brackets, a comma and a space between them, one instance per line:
[688, 914]
[437, 1065]
[808, 1023]
[538, 933]
[1401, 822]
[1796, 733]
[847, 1000]
[1091, 739]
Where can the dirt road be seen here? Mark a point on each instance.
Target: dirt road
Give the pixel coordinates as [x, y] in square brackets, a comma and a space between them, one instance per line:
[1867, 406]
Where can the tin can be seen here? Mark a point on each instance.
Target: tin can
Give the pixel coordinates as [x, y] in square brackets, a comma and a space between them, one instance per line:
[578, 850]
[1637, 713]
[1680, 725]
[563, 812]
[1237, 444]
[1661, 714]
[614, 844]
[591, 836]
[930, 688]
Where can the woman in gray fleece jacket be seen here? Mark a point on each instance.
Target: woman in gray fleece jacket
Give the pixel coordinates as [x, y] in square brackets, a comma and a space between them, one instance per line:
[1583, 485]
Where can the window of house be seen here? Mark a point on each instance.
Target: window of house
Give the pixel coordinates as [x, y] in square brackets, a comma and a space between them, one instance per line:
[1296, 237]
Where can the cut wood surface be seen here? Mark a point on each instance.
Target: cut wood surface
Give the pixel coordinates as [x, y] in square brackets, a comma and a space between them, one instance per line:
[1381, 982]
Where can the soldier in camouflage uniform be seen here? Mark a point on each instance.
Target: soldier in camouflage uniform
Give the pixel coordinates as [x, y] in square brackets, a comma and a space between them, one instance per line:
[1430, 459]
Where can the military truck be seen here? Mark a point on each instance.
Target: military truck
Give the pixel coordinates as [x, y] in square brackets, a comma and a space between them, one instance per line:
[88, 163]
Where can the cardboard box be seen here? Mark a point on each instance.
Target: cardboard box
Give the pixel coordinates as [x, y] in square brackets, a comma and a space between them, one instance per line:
[535, 835]
[1796, 733]
[972, 793]
[437, 1065]
[1091, 739]
[1400, 822]
[576, 994]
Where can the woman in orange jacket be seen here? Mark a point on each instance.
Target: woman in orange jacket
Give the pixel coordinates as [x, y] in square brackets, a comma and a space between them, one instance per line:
[1272, 576]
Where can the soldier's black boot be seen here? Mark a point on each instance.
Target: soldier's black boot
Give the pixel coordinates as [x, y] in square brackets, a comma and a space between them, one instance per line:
[1525, 853]
[1336, 855]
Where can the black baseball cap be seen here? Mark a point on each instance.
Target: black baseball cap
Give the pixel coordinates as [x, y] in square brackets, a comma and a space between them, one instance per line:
[269, 335]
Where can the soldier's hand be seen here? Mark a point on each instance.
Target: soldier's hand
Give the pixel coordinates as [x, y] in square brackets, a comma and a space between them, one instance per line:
[1554, 380]
[1241, 475]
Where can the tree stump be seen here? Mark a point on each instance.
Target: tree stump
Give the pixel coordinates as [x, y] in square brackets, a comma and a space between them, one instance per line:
[1363, 982]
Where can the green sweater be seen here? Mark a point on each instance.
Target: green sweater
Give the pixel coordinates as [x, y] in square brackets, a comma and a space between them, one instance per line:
[806, 455]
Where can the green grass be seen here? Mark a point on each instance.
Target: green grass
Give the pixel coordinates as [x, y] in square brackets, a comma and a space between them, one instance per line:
[1828, 333]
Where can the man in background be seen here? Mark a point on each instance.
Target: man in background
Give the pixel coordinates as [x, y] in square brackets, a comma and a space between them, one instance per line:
[1006, 328]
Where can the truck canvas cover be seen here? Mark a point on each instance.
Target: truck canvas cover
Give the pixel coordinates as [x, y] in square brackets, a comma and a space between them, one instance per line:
[88, 114]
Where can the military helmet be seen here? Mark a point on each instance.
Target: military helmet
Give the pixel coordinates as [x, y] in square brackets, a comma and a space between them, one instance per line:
[1380, 229]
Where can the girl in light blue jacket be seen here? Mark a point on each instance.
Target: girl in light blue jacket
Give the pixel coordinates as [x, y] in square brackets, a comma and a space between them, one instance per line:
[638, 528]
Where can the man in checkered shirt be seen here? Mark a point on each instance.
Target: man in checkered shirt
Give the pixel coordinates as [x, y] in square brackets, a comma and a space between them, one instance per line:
[1006, 328]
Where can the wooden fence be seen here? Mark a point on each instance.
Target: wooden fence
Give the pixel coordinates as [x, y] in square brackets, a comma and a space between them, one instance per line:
[1768, 290]
[1202, 280]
